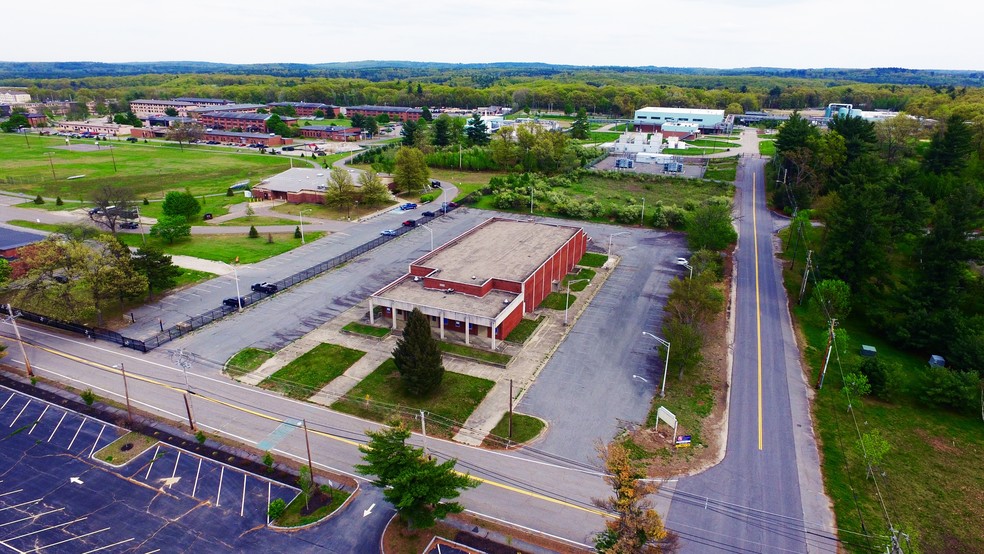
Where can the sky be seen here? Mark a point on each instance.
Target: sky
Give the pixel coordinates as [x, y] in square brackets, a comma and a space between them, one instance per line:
[941, 34]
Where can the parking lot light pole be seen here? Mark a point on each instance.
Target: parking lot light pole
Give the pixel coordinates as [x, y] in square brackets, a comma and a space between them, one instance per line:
[300, 216]
[567, 302]
[139, 226]
[666, 363]
[610, 237]
[13, 321]
[126, 392]
[51, 164]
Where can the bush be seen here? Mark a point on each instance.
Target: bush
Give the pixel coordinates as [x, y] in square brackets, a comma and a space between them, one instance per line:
[146, 202]
[200, 437]
[38, 200]
[58, 201]
[676, 218]
[276, 509]
[88, 397]
[268, 460]
[297, 232]
[946, 388]
[253, 233]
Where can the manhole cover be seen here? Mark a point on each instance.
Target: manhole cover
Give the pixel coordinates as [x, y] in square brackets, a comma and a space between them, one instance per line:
[126, 446]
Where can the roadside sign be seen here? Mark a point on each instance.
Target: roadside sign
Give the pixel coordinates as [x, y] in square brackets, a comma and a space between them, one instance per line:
[666, 416]
[682, 441]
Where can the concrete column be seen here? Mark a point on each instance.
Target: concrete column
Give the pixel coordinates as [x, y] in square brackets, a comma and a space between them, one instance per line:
[440, 322]
[467, 332]
[393, 314]
[493, 334]
[371, 319]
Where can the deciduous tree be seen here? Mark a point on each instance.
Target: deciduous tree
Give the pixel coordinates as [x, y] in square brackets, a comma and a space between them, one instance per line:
[171, 227]
[112, 202]
[340, 191]
[183, 204]
[373, 191]
[709, 227]
[185, 132]
[410, 172]
[157, 267]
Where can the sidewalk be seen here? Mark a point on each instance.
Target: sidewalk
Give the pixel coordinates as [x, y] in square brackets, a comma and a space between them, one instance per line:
[527, 359]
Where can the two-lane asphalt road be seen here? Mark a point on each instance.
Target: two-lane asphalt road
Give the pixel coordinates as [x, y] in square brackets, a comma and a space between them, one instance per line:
[767, 495]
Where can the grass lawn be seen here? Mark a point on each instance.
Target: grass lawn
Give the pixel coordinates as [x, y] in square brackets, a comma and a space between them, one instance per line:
[767, 147]
[557, 300]
[716, 143]
[593, 259]
[524, 428]
[146, 169]
[247, 360]
[370, 330]
[191, 277]
[584, 273]
[381, 397]
[524, 330]
[225, 248]
[321, 211]
[474, 353]
[258, 220]
[693, 151]
[313, 370]
[293, 516]
[722, 169]
[125, 448]
[630, 188]
[931, 479]
[600, 136]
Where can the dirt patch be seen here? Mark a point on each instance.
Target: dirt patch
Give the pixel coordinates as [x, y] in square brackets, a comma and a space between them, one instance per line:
[938, 444]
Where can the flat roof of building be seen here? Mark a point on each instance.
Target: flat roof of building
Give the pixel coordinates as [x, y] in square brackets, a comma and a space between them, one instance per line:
[385, 108]
[680, 110]
[237, 135]
[406, 290]
[329, 128]
[501, 248]
[15, 238]
[162, 102]
[297, 179]
[210, 100]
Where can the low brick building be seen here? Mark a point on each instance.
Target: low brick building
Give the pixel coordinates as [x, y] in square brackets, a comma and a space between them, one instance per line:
[331, 132]
[394, 112]
[482, 282]
[307, 109]
[248, 122]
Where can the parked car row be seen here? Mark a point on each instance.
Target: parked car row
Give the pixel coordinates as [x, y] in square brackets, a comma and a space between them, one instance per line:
[266, 288]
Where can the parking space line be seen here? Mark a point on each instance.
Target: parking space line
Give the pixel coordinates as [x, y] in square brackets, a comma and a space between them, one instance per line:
[108, 546]
[33, 516]
[71, 539]
[38, 420]
[76, 435]
[176, 460]
[219, 495]
[19, 414]
[269, 490]
[242, 508]
[198, 471]
[66, 524]
[57, 426]
[11, 492]
[152, 460]
[94, 444]
[5, 403]
[35, 501]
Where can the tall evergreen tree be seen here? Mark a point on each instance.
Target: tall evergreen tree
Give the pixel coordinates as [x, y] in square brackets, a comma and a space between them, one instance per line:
[580, 129]
[418, 357]
[859, 135]
[950, 147]
[477, 132]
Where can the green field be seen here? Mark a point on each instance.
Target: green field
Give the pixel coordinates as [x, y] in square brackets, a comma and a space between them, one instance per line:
[381, 397]
[722, 169]
[368, 330]
[767, 147]
[716, 143]
[524, 428]
[247, 360]
[225, 248]
[313, 370]
[147, 169]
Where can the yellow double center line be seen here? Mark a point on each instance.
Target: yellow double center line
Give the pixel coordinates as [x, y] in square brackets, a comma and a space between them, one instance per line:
[758, 308]
[232, 406]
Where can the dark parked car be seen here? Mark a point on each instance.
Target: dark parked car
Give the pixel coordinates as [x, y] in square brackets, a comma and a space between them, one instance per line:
[409, 223]
[132, 139]
[435, 184]
[233, 303]
[449, 205]
[267, 288]
[408, 206]
[129, 225]
[288, 148]
[428, 214]
[207, 217]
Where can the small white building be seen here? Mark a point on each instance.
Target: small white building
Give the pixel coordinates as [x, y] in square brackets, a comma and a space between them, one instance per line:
[635, 143]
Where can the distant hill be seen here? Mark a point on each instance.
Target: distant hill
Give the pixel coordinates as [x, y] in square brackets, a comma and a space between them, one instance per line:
[376, 70]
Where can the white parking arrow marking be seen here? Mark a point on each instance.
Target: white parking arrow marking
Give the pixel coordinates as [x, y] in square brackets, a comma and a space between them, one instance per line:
[643, 379]
[368, 510]
[75, 480]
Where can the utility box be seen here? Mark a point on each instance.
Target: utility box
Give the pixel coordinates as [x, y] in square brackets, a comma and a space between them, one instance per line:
[937, 361]
[868, 351]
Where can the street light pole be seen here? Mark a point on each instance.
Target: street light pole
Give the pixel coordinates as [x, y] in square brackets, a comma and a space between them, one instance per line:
[21, 130]
[52, 164]
[139, 226]
[610, 237]
[432, 235]
[642, 216]
[666, 363]
[126, 393]
[300, 216]
[13, 321]
[567, 303]
[113, 156]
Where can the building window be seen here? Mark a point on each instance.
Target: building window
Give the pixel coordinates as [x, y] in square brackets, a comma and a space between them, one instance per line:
[695, 119]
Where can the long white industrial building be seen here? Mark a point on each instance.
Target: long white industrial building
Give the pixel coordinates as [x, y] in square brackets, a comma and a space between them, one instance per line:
[652, 119]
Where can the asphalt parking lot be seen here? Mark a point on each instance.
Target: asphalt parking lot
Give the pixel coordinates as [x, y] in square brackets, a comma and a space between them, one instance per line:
[54, 497]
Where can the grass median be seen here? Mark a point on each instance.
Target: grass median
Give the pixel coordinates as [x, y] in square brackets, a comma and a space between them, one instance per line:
[316, 368]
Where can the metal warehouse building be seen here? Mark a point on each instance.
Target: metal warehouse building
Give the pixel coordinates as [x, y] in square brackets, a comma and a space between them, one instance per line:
[652, 119]
[485, 279]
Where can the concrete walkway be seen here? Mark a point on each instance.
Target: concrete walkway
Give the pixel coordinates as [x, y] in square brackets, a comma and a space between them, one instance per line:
[527, 359]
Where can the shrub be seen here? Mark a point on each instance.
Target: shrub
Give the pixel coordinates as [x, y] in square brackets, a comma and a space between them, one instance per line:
[277, 508]
[229, 192]
[676, 218]
[253, 233]
[88, 397]
[200, 437]
[946, 388]
[297, 232]
[58, 201]
[268, 460]
[38, 200]
[146, 202]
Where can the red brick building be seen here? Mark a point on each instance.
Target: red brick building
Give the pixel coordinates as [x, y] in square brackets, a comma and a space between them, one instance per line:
[248, 122]
[307, 109]
[394, 112]
[331, 132]
[485, 279]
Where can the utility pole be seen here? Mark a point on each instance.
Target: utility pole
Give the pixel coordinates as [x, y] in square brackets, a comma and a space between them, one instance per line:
[510, 409]
[806, 273]
[13, 321]
[307, 442]
[826, 361]
[423, 430]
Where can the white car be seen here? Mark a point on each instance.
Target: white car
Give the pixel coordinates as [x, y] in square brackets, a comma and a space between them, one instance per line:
[682, 261]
